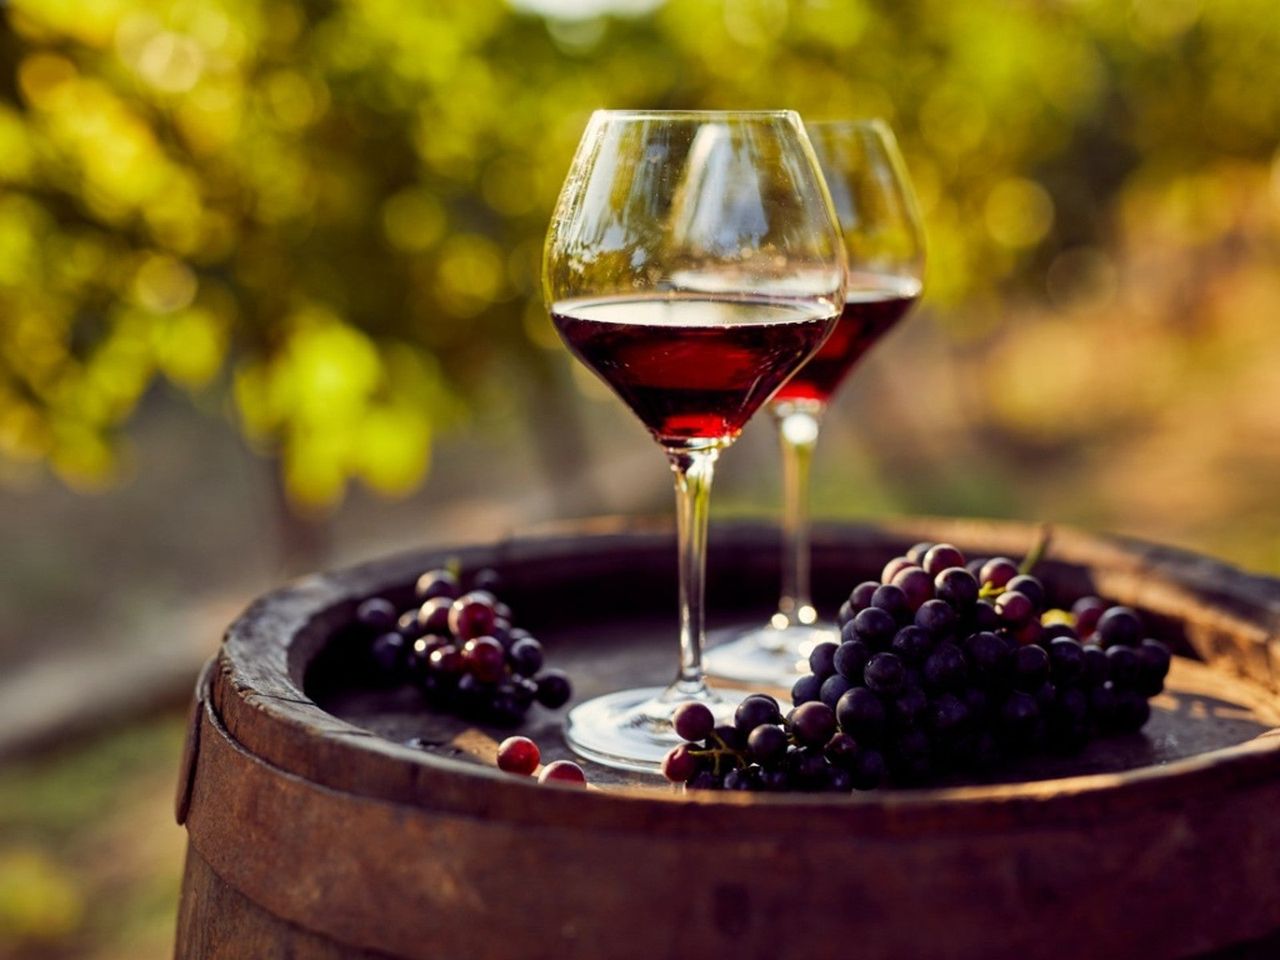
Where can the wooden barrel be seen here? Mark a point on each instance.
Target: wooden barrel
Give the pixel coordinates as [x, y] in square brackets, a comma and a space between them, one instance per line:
[328, 820]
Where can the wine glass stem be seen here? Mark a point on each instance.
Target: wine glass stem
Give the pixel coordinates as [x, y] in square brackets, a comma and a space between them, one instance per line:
[798, 425]
[693, 471]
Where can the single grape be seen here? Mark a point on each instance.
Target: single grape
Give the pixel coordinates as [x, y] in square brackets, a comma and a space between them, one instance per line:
[756, 710]
[936, 617]
[1066, 656]
[1124, 665]
[984, 616]
[822, 657]
[407, 625]
[956, 586]
[433, 615]
[470, 616]
[526, 656]
[679, 764]
[868, 770]
[1030, 587]
[693, 721]
[1030, 667]
[861, 596]
[485, 659]
[767, 743]
[446, 660]
[945, 668]
[563, 771]
[436, 583]
[851, 659]
[1014, 608]
[1120, 626]
[388, 652]
[916, 584]
[998, 571]
[892, 601]
[553, 689]
[885, 674]
[377, 613]
[874, 626]
[1154, 658]
[861, 714]
[1097, 668]
[833, 688]
[917, 553]
[940, 557]
[1132, 711]
[1087, 611]
[518, 755]
[989, 654]
[893, 567]
[912, 644]
[841, 749]
[806, 689]
[813, 723]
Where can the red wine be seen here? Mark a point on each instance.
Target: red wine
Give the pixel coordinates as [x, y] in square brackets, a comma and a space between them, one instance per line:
[871, 308]
[692, 368]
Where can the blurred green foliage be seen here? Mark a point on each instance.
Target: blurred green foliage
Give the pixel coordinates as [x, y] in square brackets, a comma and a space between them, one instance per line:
[328, 214]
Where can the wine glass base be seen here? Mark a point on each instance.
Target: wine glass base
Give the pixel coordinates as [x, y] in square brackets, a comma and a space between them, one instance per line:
[631, 729]
[768, 654]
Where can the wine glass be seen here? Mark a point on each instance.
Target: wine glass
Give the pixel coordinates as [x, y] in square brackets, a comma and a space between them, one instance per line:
[884, 241]
[694, 262]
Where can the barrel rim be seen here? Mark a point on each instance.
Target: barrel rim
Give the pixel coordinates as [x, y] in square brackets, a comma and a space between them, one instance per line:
[257, 695]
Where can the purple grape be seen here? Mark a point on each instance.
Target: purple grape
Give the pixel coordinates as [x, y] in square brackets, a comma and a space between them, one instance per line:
[833, 688]
[861, 596]
[917, 553]
[1120, 625]
[940, 557]
[377, 614]
[1014, 608]
[1032, 588]
[806, 689]
[885, 674]
[436, 583]
[935, 617]
[916, 584]
[554, 689]
[693, 721]
[851, 659]
[998, 571]
[912, 644]
[893, 568]
[822, 658]
[957, 587]
[756, 710]
[861, 714]
[813, 723]
[875, 627]
[525, 656]
[892, 601]
[767, 743]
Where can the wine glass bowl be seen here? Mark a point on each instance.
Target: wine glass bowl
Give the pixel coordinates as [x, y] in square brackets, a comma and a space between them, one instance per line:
[883, 239]
[693, 263]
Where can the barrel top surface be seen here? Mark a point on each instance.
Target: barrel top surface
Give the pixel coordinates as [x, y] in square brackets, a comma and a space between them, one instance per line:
[601, 597]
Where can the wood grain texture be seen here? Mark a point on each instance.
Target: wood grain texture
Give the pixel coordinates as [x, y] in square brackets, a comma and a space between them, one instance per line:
[1157, 847]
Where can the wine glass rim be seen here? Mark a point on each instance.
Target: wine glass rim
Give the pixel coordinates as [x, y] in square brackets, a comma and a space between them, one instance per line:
[849, 123]
[617, 114]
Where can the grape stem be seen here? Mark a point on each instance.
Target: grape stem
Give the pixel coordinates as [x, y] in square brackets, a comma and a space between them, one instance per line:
[1039, 550]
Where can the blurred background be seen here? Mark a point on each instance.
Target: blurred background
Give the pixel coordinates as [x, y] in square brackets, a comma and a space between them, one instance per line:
[269, 302]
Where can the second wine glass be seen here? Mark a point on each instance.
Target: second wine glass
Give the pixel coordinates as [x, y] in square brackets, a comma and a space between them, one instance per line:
[884, 242]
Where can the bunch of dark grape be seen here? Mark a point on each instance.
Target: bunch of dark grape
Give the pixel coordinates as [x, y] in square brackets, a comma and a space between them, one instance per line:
[943, 668]
[462, 650]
